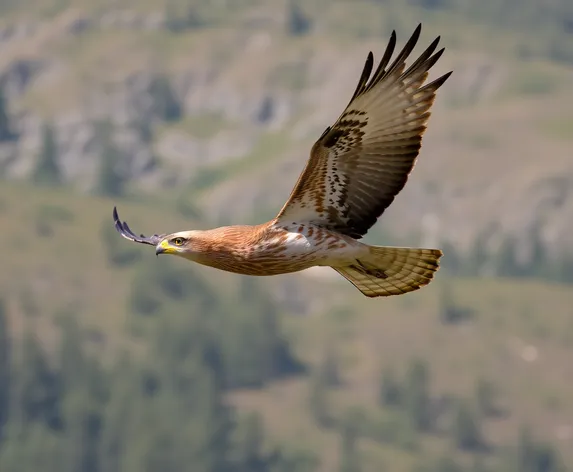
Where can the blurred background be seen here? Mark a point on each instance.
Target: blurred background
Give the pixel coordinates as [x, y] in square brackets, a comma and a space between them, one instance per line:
[195, 113]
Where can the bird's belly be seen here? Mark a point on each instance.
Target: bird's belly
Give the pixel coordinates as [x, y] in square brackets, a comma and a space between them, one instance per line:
[302, 246]
[262, 263]
[286, 250]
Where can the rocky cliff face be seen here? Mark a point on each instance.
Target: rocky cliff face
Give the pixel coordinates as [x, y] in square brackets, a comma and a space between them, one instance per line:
[245, 103]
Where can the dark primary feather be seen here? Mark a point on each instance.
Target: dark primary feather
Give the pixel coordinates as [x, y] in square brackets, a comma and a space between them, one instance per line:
[358, 166]
[123, 229]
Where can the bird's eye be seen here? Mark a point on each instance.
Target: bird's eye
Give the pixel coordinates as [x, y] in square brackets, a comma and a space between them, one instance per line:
[178, 241]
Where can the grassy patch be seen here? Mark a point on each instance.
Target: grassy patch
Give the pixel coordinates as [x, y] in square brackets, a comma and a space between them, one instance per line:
[533, 80]
[72, 268]
[204, 126]
[558, 128]
[268, 146]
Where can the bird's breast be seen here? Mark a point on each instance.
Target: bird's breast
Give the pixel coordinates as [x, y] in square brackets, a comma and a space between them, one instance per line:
[280, 250]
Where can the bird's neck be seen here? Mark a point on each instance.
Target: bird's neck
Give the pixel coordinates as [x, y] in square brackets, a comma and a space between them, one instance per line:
[226, 242]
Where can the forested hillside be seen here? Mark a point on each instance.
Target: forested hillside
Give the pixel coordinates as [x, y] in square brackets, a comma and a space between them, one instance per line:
[194, 114]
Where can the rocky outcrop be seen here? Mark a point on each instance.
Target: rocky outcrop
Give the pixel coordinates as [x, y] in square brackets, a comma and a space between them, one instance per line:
[176, 113]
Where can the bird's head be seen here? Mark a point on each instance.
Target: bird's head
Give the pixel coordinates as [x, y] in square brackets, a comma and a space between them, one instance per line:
[178, 244]
[185, 244]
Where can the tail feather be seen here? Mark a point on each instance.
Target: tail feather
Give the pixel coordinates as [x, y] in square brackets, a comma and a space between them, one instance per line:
[392, 270]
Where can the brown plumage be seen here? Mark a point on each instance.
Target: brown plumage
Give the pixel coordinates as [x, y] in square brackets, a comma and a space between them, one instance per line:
[355, 170]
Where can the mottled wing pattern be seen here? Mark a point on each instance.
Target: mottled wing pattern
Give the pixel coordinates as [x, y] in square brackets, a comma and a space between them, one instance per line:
[123, 229]
[361, 163]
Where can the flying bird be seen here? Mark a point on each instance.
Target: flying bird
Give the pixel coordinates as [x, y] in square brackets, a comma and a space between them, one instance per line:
[355, 170]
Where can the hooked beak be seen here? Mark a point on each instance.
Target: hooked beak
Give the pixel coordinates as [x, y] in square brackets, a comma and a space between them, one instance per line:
[161, 248]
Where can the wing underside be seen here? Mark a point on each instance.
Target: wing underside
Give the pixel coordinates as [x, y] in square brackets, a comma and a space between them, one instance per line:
[358, 165]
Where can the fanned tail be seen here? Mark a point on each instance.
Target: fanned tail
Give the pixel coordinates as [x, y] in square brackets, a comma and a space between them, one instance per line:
[392, 270]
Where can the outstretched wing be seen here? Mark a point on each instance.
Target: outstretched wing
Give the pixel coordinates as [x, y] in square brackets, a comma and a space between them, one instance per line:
[362, 162]
[123, 229]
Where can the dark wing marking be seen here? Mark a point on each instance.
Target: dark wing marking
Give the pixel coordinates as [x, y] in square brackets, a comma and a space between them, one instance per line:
[123, 229]
[359, 165]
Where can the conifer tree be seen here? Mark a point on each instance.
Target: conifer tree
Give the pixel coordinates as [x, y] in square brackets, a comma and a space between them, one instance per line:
[47, 171]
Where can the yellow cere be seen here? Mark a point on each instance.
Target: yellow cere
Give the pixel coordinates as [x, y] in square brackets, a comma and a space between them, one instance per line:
[167, 248]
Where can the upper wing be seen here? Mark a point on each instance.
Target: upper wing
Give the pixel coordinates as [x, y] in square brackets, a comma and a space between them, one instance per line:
[361, 163]
[126, 232]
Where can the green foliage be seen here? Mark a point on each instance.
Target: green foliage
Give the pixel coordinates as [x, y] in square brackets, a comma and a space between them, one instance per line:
[534, 456]
[167, 105]
[118, 252]
[165, 411]
[466, 430]
[160, 281]
[298, 23]
[390, 392]
[179, 21]
[250, 453]
[6, 131]
[452, 312]
[5, 362]
[319, 399]
[252, 344]
[394, 428]
[165, 407]
[143, 126]
[36, 448]
[110, 181]
[417, 395]
[49, 216]
[291, 459]
[330, 369]
[249, 345]
[444, 463]
[47, 171]
[431, 4]
[38, 387]
[486, 398]
[350, 460]
[504, 261]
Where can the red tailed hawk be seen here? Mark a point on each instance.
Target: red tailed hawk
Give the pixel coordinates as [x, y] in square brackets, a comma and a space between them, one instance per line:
[355, 170]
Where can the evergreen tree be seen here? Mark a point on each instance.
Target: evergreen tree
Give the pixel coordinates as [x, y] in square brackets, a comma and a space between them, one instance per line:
[110, 182]
[467, 429]
[250, 456]
[298, 23]
[293, 460]
[82, 416]
[39, 390]
[6, 132]
[349, 456]
[506, 260]
[450, 311]
[417, 395]
[123, 401]
[47, 171]
[72, 359]
[485, 395]
[390, 392]
[5, 368]
[252, 343]
[318, 400]
[447, 464]
[166, 103]
[330, 366]
[38, 449]
[182, 425]
[83, 386]
[532, 456]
